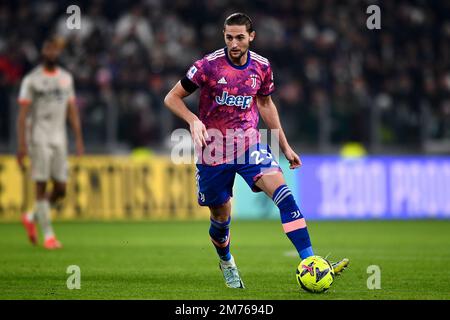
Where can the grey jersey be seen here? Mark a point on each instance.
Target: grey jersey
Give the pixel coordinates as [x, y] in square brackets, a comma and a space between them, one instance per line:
[48, 95]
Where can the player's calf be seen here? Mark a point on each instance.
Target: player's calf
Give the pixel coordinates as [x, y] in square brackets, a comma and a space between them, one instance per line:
[58, 194]
[294, 223]
[42, 209]
[220, 237]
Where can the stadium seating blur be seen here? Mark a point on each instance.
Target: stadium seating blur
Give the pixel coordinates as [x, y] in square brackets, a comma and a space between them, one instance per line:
[336, 80]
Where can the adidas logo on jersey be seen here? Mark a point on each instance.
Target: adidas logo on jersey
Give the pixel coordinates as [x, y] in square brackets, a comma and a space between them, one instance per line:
[222, 81]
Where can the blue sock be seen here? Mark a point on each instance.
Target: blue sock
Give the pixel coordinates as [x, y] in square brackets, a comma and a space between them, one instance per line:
[294, 224]
[220, 237]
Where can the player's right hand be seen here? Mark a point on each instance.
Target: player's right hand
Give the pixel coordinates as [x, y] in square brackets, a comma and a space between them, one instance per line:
[293, 158]
[198, 133]
[21, 154]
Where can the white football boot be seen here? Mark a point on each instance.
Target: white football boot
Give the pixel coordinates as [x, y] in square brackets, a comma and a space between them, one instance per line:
[231, 274]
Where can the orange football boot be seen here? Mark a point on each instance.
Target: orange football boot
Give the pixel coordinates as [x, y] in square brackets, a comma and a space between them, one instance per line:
[51, 243]
[30, 227]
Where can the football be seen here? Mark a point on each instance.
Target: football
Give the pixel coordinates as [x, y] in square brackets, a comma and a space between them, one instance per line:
[315, 274]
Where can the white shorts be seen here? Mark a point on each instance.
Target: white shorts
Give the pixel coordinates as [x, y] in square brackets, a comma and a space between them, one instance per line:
[49, 161]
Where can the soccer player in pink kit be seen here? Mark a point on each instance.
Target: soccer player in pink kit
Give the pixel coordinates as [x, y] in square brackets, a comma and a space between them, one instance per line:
[235, 87]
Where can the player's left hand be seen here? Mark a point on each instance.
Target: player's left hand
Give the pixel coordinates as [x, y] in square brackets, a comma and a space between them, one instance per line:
[293, 158]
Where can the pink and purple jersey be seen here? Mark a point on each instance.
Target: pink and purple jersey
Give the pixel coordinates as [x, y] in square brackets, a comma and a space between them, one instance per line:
[228, 95]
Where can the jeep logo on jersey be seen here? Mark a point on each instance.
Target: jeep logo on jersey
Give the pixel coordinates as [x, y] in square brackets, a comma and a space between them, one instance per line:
[230, 100]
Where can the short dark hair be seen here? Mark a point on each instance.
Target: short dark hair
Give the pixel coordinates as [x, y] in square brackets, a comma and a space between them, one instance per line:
[239, 19]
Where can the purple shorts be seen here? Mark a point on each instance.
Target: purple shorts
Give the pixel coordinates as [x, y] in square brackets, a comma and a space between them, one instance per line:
[215, 183]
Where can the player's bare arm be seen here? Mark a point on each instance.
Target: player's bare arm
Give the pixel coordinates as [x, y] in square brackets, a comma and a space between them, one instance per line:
[174, 101]
[21, 124]
[269, 114]
[74, 120]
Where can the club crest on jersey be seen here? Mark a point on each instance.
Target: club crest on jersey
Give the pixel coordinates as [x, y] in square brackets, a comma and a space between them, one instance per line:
[253, 78]
[230, 100]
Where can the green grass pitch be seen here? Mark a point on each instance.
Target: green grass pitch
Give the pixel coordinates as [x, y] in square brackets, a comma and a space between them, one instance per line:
[175, 260]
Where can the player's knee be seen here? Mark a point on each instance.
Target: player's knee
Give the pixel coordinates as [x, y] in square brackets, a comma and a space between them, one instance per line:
[60, 193]
[41, 190]
[221, 213]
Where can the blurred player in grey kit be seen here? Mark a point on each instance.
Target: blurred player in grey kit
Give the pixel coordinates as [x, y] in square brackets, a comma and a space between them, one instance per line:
[47, 100]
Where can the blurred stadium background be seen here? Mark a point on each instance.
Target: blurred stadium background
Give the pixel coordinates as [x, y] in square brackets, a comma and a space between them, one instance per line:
[341, 90]
[368, 111]
[337, 81]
